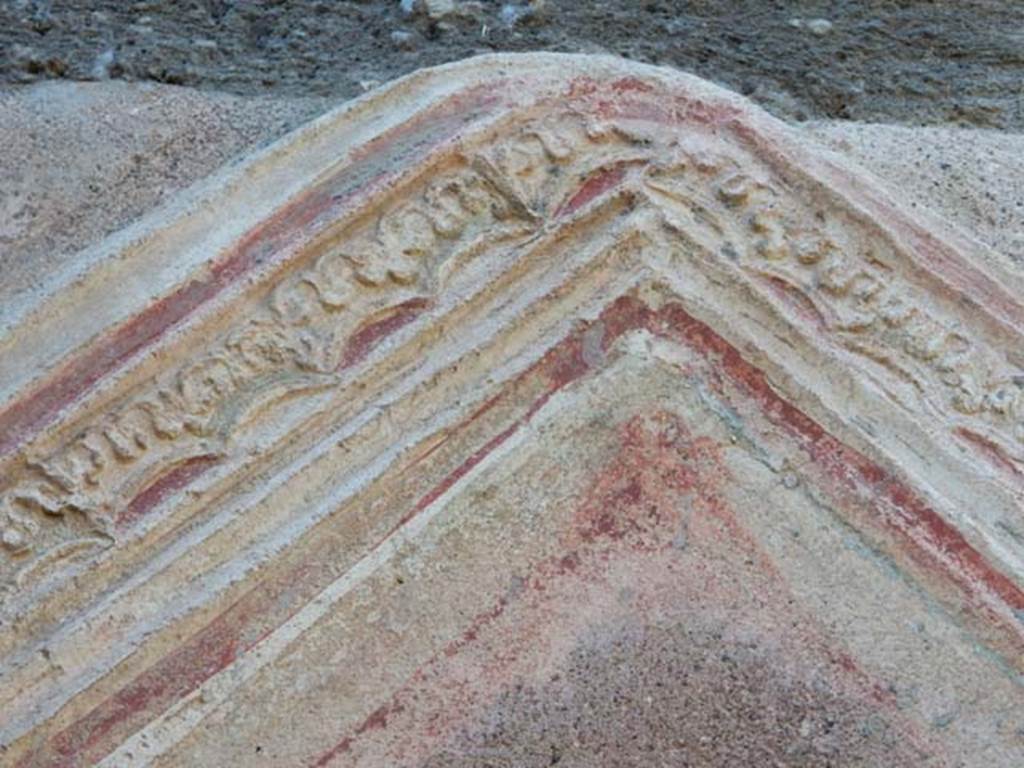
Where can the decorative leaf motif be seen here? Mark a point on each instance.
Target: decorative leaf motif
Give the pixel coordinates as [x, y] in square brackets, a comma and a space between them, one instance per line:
[711, 195]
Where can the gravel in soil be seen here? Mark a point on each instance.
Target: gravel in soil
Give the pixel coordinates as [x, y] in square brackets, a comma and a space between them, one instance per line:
[907, 61]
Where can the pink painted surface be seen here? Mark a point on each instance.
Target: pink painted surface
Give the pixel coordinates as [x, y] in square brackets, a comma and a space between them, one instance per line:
[269, 243]
[625, 516]
[602, 578]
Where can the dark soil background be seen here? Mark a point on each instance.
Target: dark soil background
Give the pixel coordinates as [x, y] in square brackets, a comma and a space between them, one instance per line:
[907, 61]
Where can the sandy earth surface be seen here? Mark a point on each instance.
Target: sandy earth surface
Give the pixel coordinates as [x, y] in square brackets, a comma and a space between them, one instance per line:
[907, 61]
[80, 160]
[973, 178]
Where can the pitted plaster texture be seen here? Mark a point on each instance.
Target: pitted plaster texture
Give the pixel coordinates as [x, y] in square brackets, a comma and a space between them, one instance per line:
[530, 410]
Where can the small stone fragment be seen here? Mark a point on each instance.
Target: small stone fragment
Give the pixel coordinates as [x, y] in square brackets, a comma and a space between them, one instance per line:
[814, 26]
[403, 40]
[438, 9]
[513, 14]
[434, 9]
[819, 26]
[103, 65]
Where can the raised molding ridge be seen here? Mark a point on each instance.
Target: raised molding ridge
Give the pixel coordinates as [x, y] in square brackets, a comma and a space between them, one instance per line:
[382, 240]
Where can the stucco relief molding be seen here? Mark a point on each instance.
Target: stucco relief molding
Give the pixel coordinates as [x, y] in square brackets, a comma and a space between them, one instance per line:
[695, 158]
